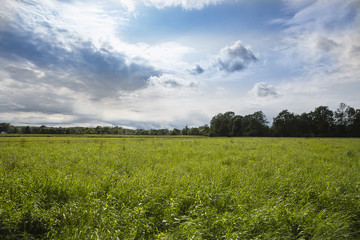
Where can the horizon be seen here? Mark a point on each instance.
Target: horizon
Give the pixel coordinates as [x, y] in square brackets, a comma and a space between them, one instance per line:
[268, 122]
[161, 64]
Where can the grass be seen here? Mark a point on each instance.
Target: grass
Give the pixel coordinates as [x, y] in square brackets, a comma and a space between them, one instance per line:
[180, 188]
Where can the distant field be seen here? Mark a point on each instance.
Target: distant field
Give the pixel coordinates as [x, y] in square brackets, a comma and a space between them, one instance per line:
[179, 188]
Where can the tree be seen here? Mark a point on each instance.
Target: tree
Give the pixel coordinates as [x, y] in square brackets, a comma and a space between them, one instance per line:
[236, 126]
[204, 130]
[225, 124]
[286, 124]
[220, 124]
[175, 131]
[215, 125]
[185, 130]
[354, 122]
[163, 131]
[341, 119]
[322, 121]
[304, 125]
[194, 131]
[340, 114]
[6, 127]
[43, 130]
[27, 130]
[255, 124]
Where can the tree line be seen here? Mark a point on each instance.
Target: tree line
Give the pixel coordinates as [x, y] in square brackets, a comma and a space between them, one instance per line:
[8, 128]
[322, 122]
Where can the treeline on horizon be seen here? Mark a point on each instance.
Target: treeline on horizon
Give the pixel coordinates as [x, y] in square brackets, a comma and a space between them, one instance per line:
[322, 122]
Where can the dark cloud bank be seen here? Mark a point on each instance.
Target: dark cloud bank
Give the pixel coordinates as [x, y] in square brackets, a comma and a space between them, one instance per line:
[38, 65]
[99, 72]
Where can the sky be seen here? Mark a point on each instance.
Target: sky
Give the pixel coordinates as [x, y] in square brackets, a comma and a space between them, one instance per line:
[171, 63]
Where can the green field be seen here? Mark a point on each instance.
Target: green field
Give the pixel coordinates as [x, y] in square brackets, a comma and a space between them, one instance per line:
[179, 188]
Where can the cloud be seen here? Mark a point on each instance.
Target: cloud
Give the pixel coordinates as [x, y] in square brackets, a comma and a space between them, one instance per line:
[220, 92]
[166, 56]
[236, 57]
[322, 35]
[99, 72]
[263, 89]
[167, 81]
[133, 5]
[29, 118]
[326, 45]
[65, 23]
[297, 4]
[186, 4]
[29, 95]
[65, 63]
[323, 14]
[169, 84]
[197, 70]
[319, 47]
[73, 62]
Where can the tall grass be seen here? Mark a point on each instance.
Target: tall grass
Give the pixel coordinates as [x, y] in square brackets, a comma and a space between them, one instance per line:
[207, 188]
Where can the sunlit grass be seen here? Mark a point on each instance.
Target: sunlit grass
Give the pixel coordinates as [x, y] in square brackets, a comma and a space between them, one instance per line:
[196, 188]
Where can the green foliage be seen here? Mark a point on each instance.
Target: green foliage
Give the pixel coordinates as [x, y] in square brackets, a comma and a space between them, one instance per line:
[322, 122]
[179, 188]
[229, 124]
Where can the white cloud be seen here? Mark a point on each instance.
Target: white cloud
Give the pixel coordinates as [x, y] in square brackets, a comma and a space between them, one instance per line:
[186, 4]
[132, 5]
[220, 92]
[167, 56]
[71, 25]
[65, 24]
[324, 27]
[321, 43]
[32, 119]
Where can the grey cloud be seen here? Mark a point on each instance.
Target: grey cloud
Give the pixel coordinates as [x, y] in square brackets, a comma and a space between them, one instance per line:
[98, 72]
[32, 68]
[263, 89]
[326, 44]
[32, 97]
[193, 85]
[172, 83]
[167, 81]
[236, 57]
[197, 70]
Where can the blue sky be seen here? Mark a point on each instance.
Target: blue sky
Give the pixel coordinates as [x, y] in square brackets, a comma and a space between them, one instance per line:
[171, 63]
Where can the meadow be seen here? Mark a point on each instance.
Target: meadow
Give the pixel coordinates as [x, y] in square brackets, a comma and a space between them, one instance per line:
[179, 188]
